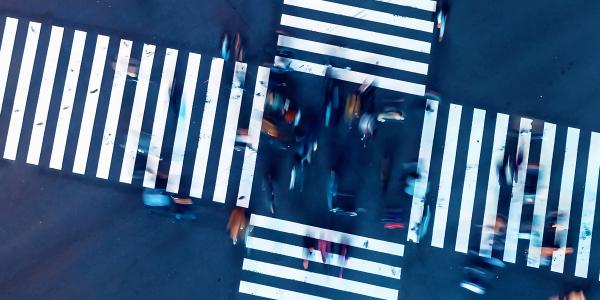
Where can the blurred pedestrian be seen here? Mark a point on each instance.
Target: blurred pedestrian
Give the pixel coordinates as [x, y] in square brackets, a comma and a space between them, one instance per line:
[309, 246]
[237, 224]
[325, 248]
[343, 257]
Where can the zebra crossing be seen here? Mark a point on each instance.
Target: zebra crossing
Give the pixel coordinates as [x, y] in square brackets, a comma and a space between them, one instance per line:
[138, 112]
[273, 267]
[567, 165]
[386, 40]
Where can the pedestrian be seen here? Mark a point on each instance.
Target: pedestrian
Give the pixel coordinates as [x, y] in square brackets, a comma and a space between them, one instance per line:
[237, 224]
[309, 247]
[343, 258]
[325, 248]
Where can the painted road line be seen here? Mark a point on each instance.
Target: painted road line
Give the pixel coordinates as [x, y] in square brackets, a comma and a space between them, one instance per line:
[589, 208]
[137, 113]
[114, 107]
[230, 132]
[351, 263]
[355, 33]
[327, 235]
[447, 172]
[420, 189]
[43, 103]
[470, 183]
[206, 127]
[363, 14]
[493, 188]
[254, 129]
[160, 117]
[268, 292]
[351, 54]
[91, 103]
[419, 4]
[327, 281]
[541, 196]
[183, 122]
[565, 199]
[351, 76]
[8, 42]
[16, 118]
[516, 202]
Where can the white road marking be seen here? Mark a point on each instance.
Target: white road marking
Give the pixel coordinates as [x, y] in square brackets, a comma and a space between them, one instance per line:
[8, 42]
[420, 4]
[91, 103]
[268, 292]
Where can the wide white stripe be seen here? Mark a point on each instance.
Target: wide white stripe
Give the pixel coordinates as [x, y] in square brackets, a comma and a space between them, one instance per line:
[137, 113]
[516, 202]
[420, 4]
[327, 235]
[18, 111]
[589, 208]
[114, 107]
[351, 54]
[8, 42]
[160, 117]
[565, 198]
[447, 172]
[268, 292]
[420, 189]
[332, 282]
[363, 14]
[470, 183]
[352, 76]
[355, 33]
[183, 122]
[333, 259]
[91, 102]
[541, 196]
[230, 131]
[493, 188]
[254, 128]
[206, 127]
[41, 111]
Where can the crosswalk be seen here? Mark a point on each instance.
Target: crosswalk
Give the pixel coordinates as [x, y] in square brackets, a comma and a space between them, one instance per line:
[564, 159]
[388, 41]
[273, 267]
[111, 108]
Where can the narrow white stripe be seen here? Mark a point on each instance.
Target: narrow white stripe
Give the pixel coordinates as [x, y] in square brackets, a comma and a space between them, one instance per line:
[565, 198]
[447, 172]
[420, 189]
[516, 201]
[327, 235]
[229, 133]
[268, 292]
[41, 111]
[160, 117]
[8, 42]
[352, 76]
[206, 127]
[351, 54]
[355, 33]
[420, 4]
[16, 118]
[332, 282]
[114, 107]
[351, 263]
[137, 113]
[589, 208]
[541, 196]
[183, 122]
[470, 183]
[493, 188]
[254, 128]
[363, 14]
[91, 102]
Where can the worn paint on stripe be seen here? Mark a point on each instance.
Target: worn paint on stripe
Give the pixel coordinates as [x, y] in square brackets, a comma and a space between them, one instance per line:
[419, 4]
[137, 113]
[43, 103]
[91, 103]
[268, 292]
[18, 110]
[8, 42]
[206, 127]
[447, 172]
[254, 129]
